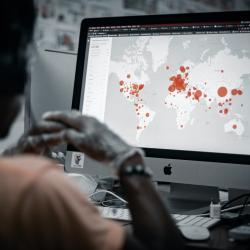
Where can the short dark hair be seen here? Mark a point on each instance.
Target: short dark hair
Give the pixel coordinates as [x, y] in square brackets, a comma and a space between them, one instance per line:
[17, 22]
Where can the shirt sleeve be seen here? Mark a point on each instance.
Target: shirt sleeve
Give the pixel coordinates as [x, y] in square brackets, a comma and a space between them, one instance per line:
[55, 215]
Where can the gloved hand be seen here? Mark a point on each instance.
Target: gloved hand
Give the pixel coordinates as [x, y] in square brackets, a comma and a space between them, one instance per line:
[89, 136]
[34, 140]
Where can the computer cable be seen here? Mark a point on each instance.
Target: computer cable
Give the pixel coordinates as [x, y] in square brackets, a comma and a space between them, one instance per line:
[96, 202]
[234, 199]
[244, 205]
[234, 208]
[113, 203]
[108, 192]
[109, 203]
[227, 209]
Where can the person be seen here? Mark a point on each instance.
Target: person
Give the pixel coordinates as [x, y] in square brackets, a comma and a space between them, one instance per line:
[40, 207]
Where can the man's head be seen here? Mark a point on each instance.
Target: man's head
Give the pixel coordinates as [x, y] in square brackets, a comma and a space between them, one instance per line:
[17, 23]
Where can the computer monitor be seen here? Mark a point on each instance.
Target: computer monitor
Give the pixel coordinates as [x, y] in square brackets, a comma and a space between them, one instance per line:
[176, 86]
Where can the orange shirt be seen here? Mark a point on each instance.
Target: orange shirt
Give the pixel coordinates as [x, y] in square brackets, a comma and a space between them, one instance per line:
[41, 209]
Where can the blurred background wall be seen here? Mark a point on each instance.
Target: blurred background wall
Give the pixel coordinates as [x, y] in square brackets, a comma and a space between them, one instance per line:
[59, 20]
[58, 24]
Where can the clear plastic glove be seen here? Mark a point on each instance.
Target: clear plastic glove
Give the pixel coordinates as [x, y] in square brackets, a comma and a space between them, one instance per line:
[34, 140]
[90, 136]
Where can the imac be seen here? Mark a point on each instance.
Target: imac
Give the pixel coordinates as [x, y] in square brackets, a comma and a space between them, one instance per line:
[177, 86]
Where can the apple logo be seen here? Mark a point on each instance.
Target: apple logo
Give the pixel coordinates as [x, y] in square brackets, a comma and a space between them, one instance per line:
[168, 169]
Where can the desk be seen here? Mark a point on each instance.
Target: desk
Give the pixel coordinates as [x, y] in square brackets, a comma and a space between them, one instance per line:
[218, 241]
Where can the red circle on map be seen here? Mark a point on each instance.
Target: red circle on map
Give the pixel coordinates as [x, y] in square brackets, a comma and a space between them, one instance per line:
[234, 92]
[141, 86]
[182, 69]
[171, 88]
[240, 92]
[197, 94]
[222, 91]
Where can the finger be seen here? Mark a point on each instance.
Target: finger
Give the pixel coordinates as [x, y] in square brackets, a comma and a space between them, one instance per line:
[69, 136]
[67, 117]
[39, 143]
[75, 138]
[54, 139]
[87, 145]
[46, 127]
[83, 144]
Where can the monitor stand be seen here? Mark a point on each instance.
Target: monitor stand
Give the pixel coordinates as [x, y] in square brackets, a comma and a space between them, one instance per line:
[188, 199]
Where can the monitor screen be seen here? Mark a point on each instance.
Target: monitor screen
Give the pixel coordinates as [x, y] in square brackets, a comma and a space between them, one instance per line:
[171, 86]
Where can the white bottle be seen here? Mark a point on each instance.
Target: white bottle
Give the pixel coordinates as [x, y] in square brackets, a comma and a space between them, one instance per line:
[215, 210]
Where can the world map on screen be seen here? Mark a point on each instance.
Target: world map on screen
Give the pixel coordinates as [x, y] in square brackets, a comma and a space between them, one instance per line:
[188, 81]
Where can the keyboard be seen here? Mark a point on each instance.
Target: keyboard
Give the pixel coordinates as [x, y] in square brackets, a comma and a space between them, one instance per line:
[123, 214]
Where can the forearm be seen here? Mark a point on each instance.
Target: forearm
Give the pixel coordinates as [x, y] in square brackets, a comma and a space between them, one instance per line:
[152, 225]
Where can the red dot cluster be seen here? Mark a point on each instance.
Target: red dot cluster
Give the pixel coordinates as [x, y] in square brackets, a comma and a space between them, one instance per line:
[132, 90]
[180, 84]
